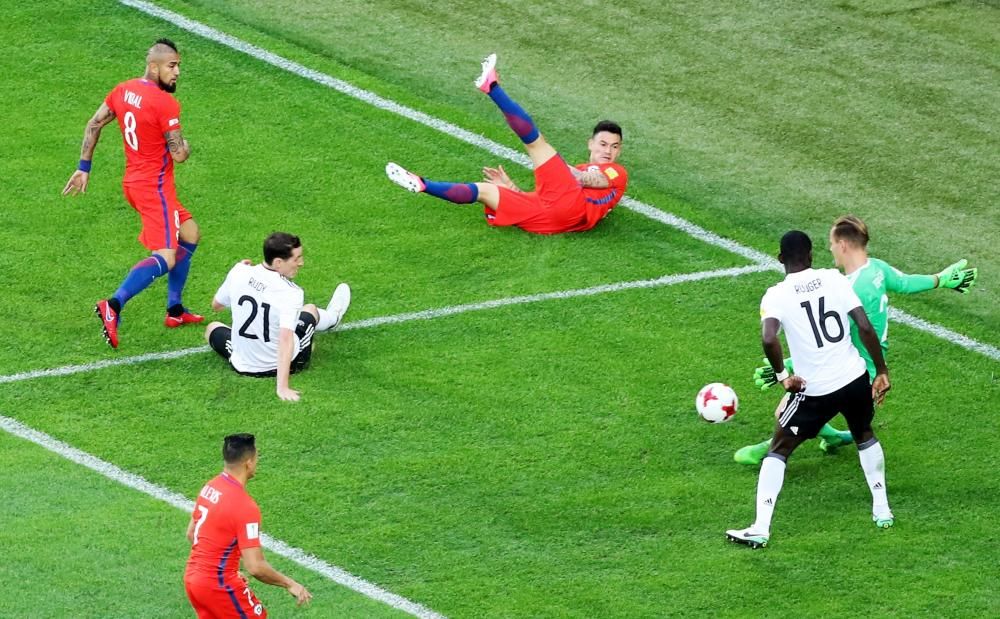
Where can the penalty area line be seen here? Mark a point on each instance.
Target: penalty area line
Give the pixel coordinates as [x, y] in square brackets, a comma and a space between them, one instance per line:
[137, 482]
[388, 105]
[498, 150]
[666, 280]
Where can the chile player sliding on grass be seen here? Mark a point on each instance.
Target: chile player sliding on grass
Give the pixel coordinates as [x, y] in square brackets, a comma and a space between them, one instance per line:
[566, 198]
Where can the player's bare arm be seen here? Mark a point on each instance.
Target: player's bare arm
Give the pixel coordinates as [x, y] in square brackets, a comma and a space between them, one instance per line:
[775, 356]
[286, 342]
[91, 134]
[870, 339]
[594, 179]
[259, 568]
[190, 531]
[179, 148]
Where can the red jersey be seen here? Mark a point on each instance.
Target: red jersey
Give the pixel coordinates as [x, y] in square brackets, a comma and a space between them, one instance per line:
[559, 203]
[227, 521]
[599, 202]
[145, 113]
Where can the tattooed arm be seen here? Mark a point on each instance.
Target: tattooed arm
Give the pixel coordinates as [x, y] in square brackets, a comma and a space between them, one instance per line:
[78, 181]
[595, 179]
[180, 150]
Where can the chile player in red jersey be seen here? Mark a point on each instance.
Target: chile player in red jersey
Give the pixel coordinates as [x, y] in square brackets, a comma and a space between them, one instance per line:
[566, 198]
[149, 118]
[225, 525]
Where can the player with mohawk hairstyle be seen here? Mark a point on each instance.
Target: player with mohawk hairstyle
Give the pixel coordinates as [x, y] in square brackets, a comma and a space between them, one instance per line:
[149, 119]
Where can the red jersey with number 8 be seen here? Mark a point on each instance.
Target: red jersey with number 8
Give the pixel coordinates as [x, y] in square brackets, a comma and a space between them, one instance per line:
[145, 113]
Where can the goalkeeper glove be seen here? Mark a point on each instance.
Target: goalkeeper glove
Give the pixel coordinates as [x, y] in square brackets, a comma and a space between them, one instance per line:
[957, 277]
[968, 280]
[764, 376]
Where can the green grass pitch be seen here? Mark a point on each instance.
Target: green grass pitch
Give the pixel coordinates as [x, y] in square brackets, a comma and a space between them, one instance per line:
[534, 460]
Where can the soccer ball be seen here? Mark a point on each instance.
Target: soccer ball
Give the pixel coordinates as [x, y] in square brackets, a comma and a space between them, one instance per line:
[717, 403]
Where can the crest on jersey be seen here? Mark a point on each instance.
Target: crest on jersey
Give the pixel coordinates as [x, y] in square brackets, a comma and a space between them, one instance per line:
[611, 173]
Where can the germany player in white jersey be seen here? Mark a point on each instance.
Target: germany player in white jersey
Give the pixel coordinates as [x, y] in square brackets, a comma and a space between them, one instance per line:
[872, 280]
[814, 306]
[274, 328]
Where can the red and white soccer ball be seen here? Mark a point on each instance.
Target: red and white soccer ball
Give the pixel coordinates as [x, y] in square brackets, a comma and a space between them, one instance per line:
[717, 403]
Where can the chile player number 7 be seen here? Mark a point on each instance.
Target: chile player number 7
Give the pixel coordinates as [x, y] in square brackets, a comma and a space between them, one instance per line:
[201, 520]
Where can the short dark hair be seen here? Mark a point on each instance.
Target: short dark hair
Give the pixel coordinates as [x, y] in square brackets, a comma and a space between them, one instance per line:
[607, 125]
[795, 247]
[280, 245]
[166, 42]
[851, 229]
[238, 447]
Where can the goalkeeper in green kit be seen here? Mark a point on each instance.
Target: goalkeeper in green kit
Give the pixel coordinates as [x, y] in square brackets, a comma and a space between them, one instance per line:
[871, 279]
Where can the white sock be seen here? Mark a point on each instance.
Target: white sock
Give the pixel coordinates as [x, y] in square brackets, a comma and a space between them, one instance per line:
[772, 476]
[873, 464]
[327, 320]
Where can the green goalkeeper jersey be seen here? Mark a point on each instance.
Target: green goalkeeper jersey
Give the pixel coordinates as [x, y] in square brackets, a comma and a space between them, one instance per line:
[871, 283]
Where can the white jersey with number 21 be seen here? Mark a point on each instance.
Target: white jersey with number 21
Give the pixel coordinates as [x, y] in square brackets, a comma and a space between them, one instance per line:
[263, 302]
[812, 306]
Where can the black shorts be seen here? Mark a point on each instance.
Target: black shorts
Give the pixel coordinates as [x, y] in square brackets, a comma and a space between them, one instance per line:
[805, 415]
[221, 341]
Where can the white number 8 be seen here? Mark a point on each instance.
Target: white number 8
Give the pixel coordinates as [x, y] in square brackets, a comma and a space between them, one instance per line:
[130, 137]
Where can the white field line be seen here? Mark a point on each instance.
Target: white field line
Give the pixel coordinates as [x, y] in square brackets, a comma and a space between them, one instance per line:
[945, 334]
[182, 503]
[499, 150]
[455, 131]
[762, 262]
[666, 280]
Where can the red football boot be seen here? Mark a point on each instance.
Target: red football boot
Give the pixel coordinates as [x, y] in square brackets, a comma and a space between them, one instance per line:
[186, 318]
[109, 320]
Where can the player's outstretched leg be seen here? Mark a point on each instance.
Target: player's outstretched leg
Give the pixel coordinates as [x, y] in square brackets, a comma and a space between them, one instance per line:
[752, 454]
[873, 464]
[517, 119]
[831, 439]
[142, 274]
[335, 309]
[458, 193]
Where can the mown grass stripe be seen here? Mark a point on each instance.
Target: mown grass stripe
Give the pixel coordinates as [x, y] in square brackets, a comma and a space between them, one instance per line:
[499, 150]
[666, 280]
[443, 126]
